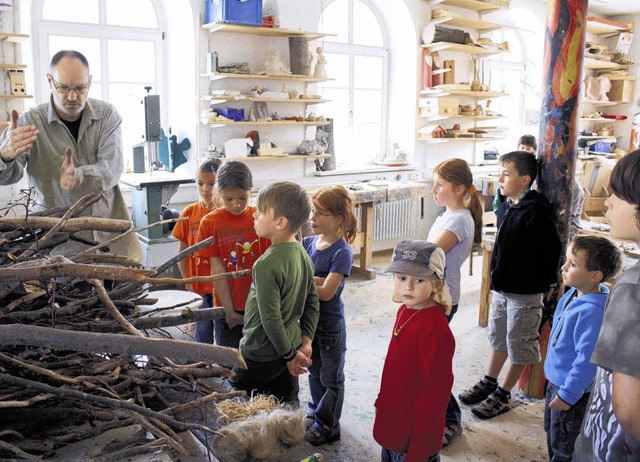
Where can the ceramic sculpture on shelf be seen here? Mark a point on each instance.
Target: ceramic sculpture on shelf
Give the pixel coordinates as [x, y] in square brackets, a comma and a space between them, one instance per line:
[273, 65]
[320, 71]
[604, 87]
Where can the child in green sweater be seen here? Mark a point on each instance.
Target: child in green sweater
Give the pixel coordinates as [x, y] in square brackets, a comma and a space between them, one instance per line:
[282, 308]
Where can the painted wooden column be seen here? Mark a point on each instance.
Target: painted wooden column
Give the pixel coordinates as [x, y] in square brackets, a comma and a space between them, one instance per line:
[565, 32]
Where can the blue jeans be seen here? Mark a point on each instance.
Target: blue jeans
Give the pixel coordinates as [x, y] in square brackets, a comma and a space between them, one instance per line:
[204, 329]
[562, 427]
[392, 456]
[326, 375]
[227, 337]
[454, 414]
[269, 377]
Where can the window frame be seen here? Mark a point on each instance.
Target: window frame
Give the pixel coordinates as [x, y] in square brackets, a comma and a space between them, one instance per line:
[42, 29]
[352, 50]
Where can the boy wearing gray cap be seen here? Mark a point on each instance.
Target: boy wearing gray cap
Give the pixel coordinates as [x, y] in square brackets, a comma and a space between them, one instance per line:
[417, 376]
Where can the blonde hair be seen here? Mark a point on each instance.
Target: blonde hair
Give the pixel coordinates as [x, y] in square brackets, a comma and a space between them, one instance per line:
[338, 202]
[458, 172]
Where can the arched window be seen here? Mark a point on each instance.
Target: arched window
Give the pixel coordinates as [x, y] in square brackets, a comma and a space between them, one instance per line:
[123, 42]
[520, 75]
[357, 63]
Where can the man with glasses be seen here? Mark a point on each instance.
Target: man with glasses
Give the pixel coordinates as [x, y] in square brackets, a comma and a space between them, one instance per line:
[70, 146]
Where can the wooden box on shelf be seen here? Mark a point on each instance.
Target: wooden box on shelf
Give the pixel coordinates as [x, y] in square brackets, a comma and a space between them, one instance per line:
[622, 88]
[594, 182]
[439, 106]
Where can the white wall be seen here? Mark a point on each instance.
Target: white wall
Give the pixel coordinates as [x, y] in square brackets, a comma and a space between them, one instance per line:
[404, 22]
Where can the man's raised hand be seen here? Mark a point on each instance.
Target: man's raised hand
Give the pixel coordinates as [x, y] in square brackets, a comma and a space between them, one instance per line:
[19, 139]
[68, 176]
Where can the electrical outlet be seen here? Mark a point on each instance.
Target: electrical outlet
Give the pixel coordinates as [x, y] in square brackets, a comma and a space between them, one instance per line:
[414, 176]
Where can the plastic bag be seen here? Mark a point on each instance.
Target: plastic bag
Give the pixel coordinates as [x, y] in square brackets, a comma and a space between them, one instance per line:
[270, 13]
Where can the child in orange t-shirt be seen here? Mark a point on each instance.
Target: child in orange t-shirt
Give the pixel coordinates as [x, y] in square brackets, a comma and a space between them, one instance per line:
[187, 233]
[236, 247]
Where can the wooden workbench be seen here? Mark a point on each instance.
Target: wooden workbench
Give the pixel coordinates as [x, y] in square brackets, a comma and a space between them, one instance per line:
[629, 258]
[366, 196]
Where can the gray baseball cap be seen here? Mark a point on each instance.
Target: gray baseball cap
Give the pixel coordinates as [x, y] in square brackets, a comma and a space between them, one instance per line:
[418, 258]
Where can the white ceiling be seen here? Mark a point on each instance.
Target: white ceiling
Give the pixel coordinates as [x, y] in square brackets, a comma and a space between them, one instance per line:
[614, 7]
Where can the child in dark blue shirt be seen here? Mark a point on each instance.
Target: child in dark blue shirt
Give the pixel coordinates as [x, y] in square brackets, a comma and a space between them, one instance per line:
[335, 225]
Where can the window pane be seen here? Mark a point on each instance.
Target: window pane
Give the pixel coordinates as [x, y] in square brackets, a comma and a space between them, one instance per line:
[71, 11]
[366, 29]
[128, 98]
[89, 47]
[131, 61]
[138, 13]
[367, 107]
[367, 72]
[338, 70]
[335, 20]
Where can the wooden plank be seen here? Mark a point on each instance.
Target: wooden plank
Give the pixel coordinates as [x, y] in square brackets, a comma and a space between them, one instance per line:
[485, 284]
[91, 342]
[475, 5]
[366, 250]
[293, 77]
[266, 31]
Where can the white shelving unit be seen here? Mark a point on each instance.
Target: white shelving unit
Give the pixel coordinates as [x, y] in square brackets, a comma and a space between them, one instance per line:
[601, 30]
[433, 109]
[257, 41]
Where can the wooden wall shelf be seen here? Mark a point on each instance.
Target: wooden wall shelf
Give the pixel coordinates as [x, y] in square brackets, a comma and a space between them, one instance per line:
[266, 31]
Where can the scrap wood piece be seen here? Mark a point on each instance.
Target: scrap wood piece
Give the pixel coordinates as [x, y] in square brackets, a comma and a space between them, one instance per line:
[71, 225]
[8, 361]
[185, 253]
[164, 433]
[86, 398]
[130, 230]
[27, 402]
[215, 396]
[191, 280]
[62, 267]
[90, 342]
[112, 309]
[75, 209]
[18, 452]
[178, 372]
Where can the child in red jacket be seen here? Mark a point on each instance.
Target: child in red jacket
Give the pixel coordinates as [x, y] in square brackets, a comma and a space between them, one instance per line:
[417, 375]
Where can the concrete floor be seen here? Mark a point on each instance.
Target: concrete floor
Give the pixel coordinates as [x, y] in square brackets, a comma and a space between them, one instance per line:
[517, 435]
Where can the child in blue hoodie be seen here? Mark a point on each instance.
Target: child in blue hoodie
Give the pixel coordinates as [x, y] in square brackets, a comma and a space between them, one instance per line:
[590, 261]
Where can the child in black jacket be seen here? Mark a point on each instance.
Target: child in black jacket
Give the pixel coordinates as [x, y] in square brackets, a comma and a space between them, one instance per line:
[523, 268]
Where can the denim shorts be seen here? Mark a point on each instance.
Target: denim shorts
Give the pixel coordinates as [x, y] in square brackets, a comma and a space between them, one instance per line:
[514, 325]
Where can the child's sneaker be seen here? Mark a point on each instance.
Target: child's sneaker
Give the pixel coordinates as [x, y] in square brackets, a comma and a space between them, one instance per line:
[308, 420]
[478, 393]
[319, 434]
[491, 407]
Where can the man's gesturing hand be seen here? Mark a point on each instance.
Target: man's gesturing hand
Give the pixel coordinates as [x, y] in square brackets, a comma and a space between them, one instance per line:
[19, 139]
[68, 176]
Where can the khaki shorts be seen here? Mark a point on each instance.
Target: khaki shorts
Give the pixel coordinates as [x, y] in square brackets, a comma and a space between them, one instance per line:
[514, 325]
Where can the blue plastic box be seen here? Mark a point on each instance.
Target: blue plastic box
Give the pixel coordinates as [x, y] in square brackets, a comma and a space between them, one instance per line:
[244, 12]
[231, 113]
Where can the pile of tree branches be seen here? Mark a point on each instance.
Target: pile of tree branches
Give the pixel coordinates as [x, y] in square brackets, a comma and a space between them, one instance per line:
[74, 360]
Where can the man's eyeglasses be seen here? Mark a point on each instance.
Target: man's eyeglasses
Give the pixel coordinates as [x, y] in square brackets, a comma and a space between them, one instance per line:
[65, 90]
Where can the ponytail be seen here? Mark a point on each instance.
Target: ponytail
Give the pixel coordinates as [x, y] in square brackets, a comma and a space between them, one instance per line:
[458, 172]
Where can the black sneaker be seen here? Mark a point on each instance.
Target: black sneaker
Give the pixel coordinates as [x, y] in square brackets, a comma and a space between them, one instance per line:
[491, 407]
[308, 420]
[319, 434]
[478, 393]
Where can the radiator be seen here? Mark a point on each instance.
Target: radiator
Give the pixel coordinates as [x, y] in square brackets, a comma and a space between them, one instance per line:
[395, 221]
